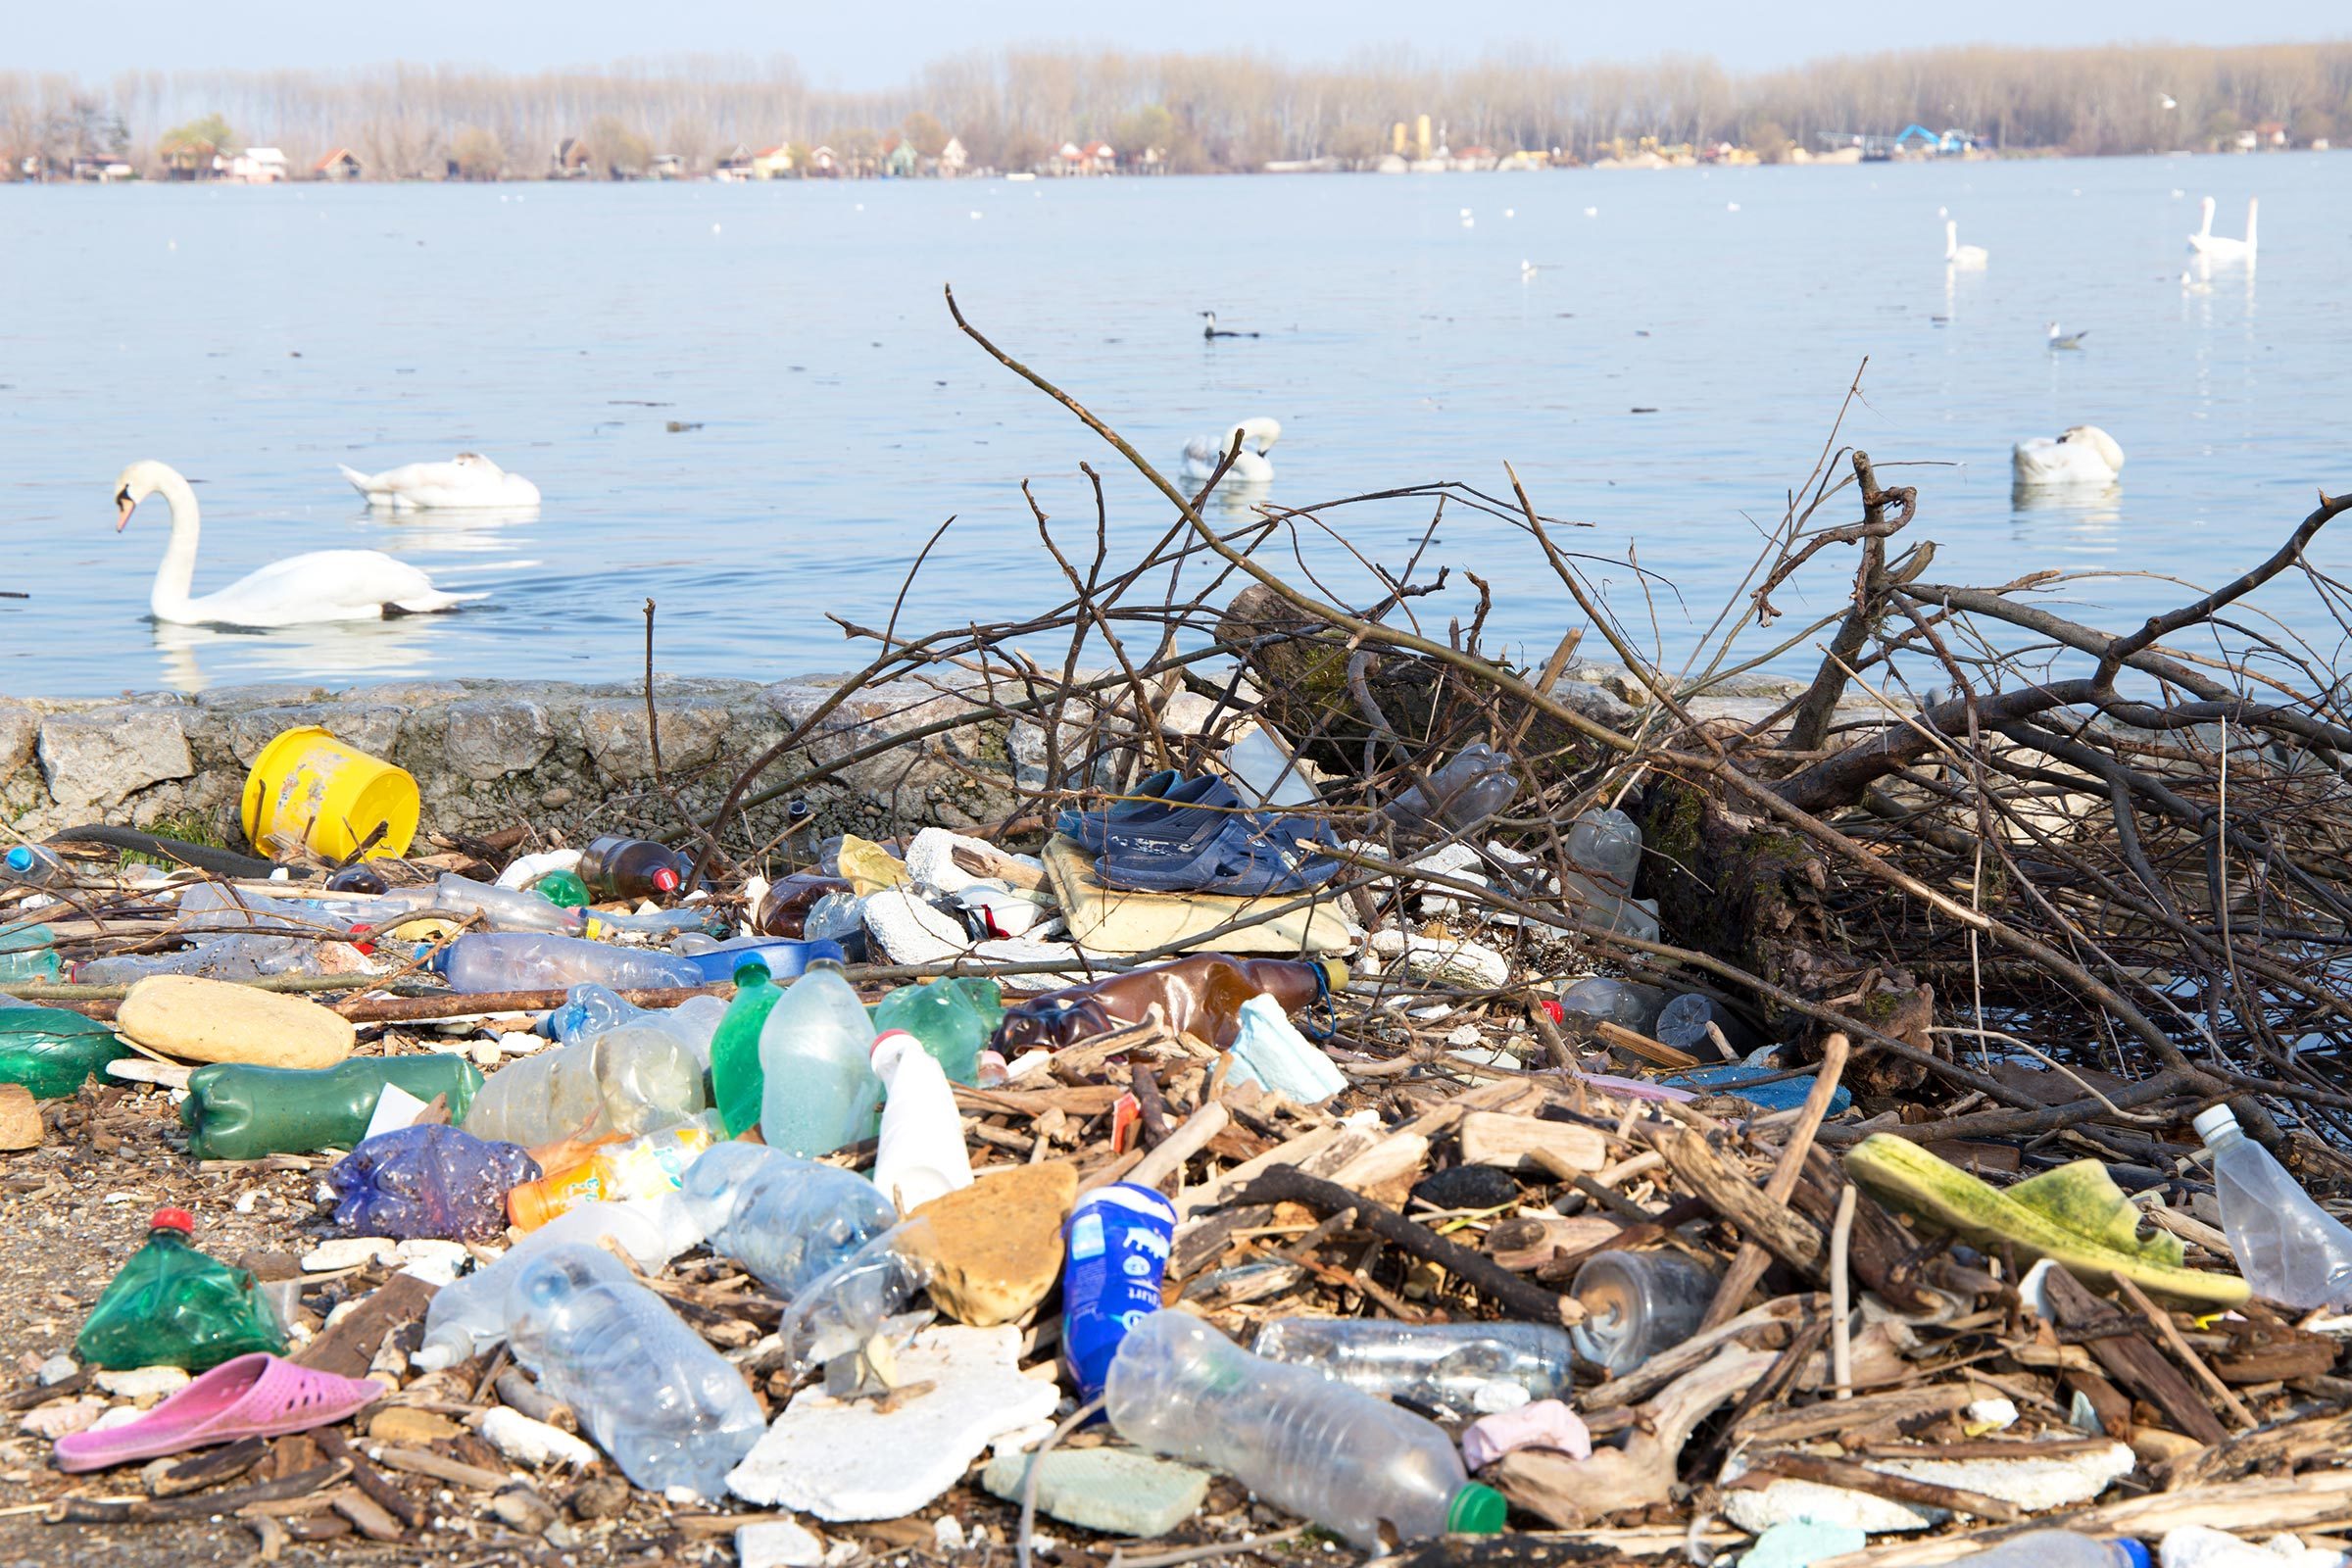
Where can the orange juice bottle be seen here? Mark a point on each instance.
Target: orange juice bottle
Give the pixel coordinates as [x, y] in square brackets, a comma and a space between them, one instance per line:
[645, 1167]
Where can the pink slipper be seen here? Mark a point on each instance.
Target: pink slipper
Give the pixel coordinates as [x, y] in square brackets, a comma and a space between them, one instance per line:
[256, 1396]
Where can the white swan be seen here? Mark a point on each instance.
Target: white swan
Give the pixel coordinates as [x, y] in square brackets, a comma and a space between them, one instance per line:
[2061, 339]
[1968, 258]
[2219, 247]
[299, 590]
[469, 479]
[1203, 453]
[2082, 455]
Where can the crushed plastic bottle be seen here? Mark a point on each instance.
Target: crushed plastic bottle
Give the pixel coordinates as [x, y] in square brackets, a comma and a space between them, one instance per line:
[735, 1078]
[432, 1182]
[29, 953]
[52, 1051]
[818, 1090]
[1605, 849]
[787, 1220]
[1599, 999]
[468, 1315]
[646, 1388]
[537, 960]
[1474, 785]
[1116, 1241]
[237, 1111]
[2060, 1549]
[1637, 1304]
[922, 1154]
[1683, 1024]
[173, 1305]
[1465, 1367]
[563, 888]
[2288, 1248]
[233, 956]
[861, 1296]
[783, 960]
[504, 909]
[645, 1167]
[784, 909]
[627, 1081]
[219, 906]
[952, 1019]
[1305, 1443]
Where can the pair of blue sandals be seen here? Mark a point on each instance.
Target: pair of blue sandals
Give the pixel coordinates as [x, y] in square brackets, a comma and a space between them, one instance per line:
[1195, 835]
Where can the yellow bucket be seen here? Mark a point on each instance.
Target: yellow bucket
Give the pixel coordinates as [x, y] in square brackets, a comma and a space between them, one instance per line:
[310, 791]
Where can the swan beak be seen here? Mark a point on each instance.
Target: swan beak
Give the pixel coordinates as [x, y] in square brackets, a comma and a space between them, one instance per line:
[124, 508]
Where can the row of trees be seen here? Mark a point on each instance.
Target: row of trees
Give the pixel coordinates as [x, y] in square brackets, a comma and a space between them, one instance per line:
[1206, 112]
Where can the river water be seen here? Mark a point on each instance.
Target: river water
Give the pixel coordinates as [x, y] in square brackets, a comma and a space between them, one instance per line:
[1670, 366]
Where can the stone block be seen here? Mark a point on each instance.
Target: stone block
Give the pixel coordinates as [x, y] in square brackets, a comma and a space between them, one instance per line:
[490, 737]
[101, 756]
[370, 727]
[20, 733]
[620, 742]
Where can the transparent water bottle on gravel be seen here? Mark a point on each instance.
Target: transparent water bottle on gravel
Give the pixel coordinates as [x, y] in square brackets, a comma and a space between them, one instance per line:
[673, 1415]
[787, 1220]
[468, 1315]
[818, 1090]
[1466, 1367]
[629, 1080]
[1373, 1473]
[2288, 1248]
[538, 961]
[2062, 1548]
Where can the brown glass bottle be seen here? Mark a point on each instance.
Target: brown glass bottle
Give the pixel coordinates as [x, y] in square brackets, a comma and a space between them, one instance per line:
[1201, 996]
[617, 867]
[783, 912]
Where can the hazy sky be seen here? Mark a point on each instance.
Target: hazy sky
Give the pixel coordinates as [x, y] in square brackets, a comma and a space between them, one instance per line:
[868, 45]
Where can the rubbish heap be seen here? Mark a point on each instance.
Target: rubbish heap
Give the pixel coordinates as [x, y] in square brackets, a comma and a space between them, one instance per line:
[1257, 1143]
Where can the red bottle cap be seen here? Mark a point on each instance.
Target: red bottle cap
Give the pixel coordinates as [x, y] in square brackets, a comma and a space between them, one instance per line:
[667, 879]
[1559, 1015]
[174, 1219]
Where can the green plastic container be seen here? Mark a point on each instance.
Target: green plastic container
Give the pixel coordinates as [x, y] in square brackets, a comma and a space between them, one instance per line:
[736, 1080]
[53, 1051]
[29, 953]
[171, 1305]
[952, 1017]
[235, 1111]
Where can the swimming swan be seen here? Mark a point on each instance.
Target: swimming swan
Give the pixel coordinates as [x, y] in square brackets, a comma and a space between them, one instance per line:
[1968, 258]
[324, 585]
[2219, 247]
[1203, 453]
[2082, 455]
[469, 479]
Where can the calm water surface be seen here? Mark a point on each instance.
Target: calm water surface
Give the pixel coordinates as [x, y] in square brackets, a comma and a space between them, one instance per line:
[256, 338]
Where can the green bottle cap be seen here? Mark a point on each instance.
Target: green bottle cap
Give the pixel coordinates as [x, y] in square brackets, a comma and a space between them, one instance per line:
[1476, 1510]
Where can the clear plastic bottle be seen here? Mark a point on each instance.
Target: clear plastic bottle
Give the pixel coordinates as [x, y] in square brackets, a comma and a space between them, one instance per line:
[817, 1084]
[30, 866]
[2288, 1248]
[536, 960]
[840, 1309]
[648, 1389]
[590, 1010]
[2060, 1549]
[1297, 1438]
[1637, 1304]
[626, 1081]
[1683, 1024]
[29, 953]
[233, 956]
[468, 1315]
[2203, 1546]
[1466, 1367]
[785, 1219]
[1474, 785]
[218, 906]
[1606, 844]
[1598, 999]
[922, 1153]
[504, 908]
[949, 1016]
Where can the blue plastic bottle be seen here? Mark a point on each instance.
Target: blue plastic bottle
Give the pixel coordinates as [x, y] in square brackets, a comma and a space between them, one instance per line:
[1116, 1243]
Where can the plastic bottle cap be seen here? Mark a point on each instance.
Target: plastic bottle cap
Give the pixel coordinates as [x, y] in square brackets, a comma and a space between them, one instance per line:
[174, 1219]
[1476, 1510]
[667, 879]
[2132, 1550]
[19, 858]
[2212, 1125]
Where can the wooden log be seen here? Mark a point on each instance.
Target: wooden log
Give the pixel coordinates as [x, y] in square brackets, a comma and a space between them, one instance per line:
[2130, 1359]
[1780, 1230]
[1510, 1143]
[174, 1510]
[1747, 1264]
[348, 1348]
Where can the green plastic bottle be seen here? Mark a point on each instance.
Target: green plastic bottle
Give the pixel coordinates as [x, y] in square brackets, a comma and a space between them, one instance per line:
[952, 1017]
[171, 1305]
[563, 889]
[235, 1111]
[736, 1080]
[52, 1051]
[29, 953]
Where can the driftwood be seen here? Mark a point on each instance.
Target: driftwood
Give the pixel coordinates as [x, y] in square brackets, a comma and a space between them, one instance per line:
[1571, 1492]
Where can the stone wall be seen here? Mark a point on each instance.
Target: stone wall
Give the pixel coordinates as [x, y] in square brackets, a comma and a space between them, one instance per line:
[490, 754]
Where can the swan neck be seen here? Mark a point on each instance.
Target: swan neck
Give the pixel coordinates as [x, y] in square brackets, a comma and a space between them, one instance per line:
[177, 572]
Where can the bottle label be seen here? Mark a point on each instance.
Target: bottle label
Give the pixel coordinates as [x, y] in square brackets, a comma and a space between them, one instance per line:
[1117, 1241]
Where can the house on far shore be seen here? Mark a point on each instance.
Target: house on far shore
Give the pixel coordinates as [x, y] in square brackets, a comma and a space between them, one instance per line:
[953, 159]
[258, 165]
[668, 165]
[824, 163]
[898, 158]
[102, 170]
[341, 163]
[571, 159]
[771, 163]
[733, 165]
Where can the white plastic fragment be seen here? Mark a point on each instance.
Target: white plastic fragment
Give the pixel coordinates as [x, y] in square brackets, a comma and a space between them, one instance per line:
[143, 1381]
[534, 1444]
[778, 1544]
[347, 1252]
[2034, 1485]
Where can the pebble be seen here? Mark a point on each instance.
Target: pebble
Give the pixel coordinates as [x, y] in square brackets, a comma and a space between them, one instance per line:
[62, 1417]
[215, 1020]
[600, 1497]
[144, 1382]
[778, 1544]
[435, 1262]
[19, 1118]
[57, 1369]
